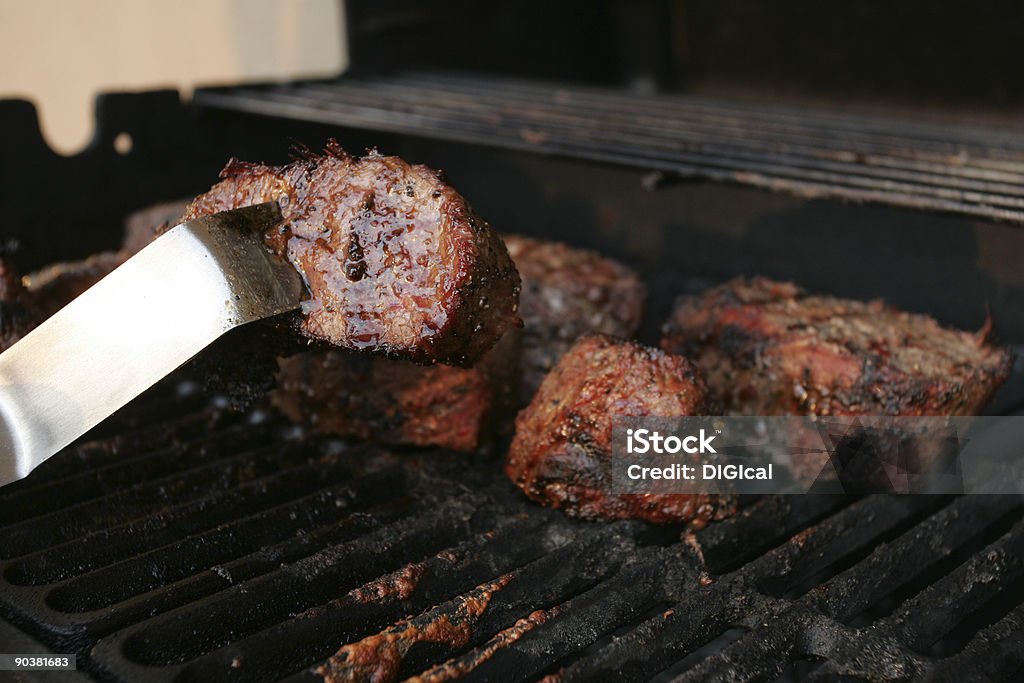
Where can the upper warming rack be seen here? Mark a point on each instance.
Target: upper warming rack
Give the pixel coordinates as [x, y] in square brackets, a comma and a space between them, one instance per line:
[814, 153]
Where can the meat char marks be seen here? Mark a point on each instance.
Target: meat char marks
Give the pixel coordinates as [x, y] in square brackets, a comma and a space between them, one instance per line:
[568, 292]
[395, 259]
[561, 452]
[768, 348]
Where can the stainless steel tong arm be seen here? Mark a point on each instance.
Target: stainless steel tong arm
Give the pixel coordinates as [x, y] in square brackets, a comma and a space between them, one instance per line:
[150, 315]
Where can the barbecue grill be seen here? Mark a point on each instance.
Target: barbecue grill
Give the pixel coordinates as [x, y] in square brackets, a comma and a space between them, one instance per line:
[182, 540]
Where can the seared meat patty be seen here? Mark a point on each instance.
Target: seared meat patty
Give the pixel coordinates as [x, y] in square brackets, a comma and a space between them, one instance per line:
[568, 292]
[385, 400]
[561, 452]
[395, 259]
[768, 348]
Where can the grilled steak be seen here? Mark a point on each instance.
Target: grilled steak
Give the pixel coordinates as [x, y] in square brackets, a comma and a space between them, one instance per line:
[385, 400]
[568, 292]
[395, 259]
[768, 348]
[561, 452]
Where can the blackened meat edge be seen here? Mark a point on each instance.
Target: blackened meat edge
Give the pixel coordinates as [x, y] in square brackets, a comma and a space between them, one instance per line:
[566, 292]
[395, 259]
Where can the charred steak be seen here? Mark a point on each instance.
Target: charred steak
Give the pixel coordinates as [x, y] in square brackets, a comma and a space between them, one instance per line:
[568, 292]
[561, 452]
[395, 259]
[768, 348]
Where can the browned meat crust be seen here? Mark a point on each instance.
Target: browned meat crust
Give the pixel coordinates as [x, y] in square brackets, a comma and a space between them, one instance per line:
[568, 292]
[55, 286]
[768, 348]
[385, 400]
[395, 259]
[560, 455]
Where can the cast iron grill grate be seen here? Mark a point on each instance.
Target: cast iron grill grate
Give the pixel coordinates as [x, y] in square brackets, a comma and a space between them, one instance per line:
[815, 153]
[183, 542]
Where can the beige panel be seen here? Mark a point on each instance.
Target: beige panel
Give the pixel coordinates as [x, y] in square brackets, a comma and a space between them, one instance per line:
[59, 53]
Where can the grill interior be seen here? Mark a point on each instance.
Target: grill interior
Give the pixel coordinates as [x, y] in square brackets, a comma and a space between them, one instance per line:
[184, 541]
[181, 541]
[805, 151]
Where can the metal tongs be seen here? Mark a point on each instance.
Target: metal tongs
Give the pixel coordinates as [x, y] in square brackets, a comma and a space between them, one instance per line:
[139, 323]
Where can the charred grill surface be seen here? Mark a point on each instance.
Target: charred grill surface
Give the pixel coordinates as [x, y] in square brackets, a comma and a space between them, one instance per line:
[567, 292]
[183, 542]
[395, 259]
[306, 566]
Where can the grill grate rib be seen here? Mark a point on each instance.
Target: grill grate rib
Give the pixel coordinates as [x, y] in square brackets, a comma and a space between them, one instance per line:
[931, 166]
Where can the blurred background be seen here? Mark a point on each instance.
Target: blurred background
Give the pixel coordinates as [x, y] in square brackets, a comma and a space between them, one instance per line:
[960, 57]
[61, 53]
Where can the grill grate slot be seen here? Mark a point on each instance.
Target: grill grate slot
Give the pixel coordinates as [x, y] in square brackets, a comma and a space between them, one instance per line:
[985, 575]
[221, 544]
[407, 647]
[934, 166]
[246, 607]
[158, 503]
[316, 633]
[27, 503]
[913, 561]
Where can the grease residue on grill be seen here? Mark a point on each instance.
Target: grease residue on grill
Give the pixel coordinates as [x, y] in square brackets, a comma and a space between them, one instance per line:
[379, 657]
[400, 584]
[458, 667]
